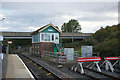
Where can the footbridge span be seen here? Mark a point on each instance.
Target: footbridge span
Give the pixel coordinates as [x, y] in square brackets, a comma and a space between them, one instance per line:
[27, 35]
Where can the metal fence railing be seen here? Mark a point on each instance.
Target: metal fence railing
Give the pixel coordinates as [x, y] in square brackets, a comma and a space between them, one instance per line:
[58, 58]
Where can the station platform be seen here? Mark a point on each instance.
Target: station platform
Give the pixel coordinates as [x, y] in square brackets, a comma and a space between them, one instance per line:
[17, 69]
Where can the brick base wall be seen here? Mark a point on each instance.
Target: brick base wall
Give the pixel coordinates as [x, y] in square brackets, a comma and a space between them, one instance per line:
[44, 46]
[47, 46]
[35, 49]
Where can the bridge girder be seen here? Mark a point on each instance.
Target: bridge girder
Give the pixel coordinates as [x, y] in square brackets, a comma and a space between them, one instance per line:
[27, 35]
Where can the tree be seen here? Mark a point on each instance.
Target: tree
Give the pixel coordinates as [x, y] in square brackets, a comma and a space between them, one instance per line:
[105, 41]
[72, 26]
[57, 27]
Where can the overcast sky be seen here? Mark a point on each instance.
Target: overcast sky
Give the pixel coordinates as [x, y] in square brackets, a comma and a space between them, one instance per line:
[29, 16]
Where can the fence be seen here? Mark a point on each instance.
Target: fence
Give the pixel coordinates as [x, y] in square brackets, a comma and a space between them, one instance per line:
[76, 55]
[25, 50]
[56, 57]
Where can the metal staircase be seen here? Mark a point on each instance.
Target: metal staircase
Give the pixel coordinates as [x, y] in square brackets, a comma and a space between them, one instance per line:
[59, 48]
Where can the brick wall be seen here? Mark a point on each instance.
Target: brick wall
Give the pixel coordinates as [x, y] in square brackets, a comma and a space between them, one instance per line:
[35, 49]
[47, 46]
[44, 46]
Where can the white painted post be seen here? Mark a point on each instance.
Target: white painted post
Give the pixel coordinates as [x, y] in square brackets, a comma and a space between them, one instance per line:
[89, 65]
[106, 66]
[103, 63]
[82, 71]
[109, 65]
[115, 63]
[75, 68]
[92, 65]
[72, 67]
[98, 66]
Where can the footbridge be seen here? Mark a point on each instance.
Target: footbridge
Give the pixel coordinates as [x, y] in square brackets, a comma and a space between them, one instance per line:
[27, 35]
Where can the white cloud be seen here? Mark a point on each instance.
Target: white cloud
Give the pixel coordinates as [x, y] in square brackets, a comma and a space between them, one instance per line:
[60, 0]
[14, 22]
[4, 28]
[90, 15]
[112, 14]
[7, 22]
[33, 28]
[91, 27]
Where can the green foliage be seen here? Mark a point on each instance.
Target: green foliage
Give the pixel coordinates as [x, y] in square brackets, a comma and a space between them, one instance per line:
[105, 41]
[90, 41]
[108, 48]
[76, 44]
[16, 43]
[72, 26]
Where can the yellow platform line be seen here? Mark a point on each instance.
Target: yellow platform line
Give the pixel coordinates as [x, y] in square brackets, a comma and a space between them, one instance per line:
[40, 67]
[48, 74]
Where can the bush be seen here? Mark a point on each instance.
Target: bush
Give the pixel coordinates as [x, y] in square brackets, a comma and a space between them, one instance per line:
[108, 48]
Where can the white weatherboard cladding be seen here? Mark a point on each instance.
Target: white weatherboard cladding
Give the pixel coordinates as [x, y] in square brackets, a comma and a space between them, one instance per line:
[69, 52]
[49, 37]
[86, 51]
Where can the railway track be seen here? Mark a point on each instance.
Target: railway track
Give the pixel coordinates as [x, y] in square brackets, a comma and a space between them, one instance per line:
[117, 70]
[115, 74]
[91, 75]
[96, 75]
[107, 74]
[40, 70]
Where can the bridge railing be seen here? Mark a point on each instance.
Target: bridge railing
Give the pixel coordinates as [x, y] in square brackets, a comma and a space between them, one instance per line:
[76, 34]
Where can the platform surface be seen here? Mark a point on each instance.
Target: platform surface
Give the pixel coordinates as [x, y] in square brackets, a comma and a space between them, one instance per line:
[16, 68]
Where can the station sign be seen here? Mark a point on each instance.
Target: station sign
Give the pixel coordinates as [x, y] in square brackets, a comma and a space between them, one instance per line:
[1, 38]
[88, 59]
[9, 42]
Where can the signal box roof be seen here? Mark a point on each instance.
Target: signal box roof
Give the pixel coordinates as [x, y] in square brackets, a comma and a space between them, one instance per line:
[44, 27]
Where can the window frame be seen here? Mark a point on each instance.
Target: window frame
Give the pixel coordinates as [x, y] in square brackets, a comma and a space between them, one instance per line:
[52, 39]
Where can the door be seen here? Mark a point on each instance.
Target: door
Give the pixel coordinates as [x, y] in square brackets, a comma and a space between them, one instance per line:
[56, 40]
